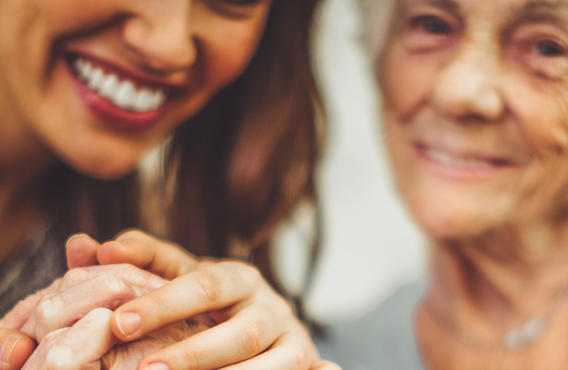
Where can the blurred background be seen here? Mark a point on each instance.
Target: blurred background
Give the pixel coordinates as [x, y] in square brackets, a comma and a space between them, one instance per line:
[370, 246]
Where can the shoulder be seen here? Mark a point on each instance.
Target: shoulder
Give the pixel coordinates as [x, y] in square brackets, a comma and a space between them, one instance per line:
[381, 339]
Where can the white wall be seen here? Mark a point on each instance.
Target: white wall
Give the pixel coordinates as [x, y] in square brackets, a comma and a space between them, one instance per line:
[370, 245]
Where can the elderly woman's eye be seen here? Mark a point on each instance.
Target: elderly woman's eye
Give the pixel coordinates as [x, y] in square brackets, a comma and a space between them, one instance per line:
[431, 24]
[550, 48]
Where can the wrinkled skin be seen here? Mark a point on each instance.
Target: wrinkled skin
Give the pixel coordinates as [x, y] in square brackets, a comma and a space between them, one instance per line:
[128, 355]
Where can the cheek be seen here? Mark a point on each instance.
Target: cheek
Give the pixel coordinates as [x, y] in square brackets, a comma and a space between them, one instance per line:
[546, 130]
[407, 80]
[227, 50]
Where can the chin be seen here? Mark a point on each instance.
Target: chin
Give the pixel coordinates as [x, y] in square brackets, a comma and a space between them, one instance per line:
[102, 168]
[459, 221]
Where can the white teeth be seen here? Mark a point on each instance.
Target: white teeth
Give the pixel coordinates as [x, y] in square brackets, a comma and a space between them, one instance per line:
[144, 100]
[108, 86]
[456, 161]
[96, 79]
[123, 94]
[159, 97]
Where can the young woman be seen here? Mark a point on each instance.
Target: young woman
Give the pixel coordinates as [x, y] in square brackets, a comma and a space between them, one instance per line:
[474, 108]
[87, 88]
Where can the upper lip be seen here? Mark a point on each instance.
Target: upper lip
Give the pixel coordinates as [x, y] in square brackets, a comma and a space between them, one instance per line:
[129, 73]
[457, 150]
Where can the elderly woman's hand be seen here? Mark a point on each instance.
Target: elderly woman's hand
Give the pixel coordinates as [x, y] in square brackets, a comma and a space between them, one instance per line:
[256, 328]
[80, 291]
[90, 344]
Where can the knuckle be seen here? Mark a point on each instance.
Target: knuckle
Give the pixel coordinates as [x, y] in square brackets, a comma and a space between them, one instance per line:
[190, 359]
[209, 286]
[250, 338]
[158, 302]
[128, 269]
[48, 310]
[248, 274]
[301, 357]
[113, 286]
[52, 337]
[75, 276]
[284, 309]
[252, 274]
[59, 357]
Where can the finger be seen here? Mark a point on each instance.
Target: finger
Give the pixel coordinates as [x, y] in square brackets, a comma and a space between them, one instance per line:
[247, 334]
[325, 365]
[61, 310]
[78, 347]
[81, 251]
[18, 316]
[292, 351]
[21, 312]
[15, 349]
[130, 274]
[135, 247]
[208, 288]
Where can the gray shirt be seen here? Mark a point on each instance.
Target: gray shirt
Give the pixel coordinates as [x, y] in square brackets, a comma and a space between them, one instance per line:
[381, 340]
[34, 266]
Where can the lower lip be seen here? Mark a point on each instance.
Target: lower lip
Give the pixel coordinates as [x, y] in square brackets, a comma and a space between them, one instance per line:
[113, 116]
[460, 173]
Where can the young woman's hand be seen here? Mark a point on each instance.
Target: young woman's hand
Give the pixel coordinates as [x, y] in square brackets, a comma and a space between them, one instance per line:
[15, 348]
[90, 344]
[256, 328]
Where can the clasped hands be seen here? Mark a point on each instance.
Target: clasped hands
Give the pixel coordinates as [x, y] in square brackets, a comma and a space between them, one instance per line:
[140, 302]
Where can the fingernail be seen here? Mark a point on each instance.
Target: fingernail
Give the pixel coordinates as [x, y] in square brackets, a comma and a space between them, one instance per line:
[7, 348]
[128, 323]
[157, 366]
[76, 236]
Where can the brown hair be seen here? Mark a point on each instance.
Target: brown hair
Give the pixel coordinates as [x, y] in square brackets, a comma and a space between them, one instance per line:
[239, 165]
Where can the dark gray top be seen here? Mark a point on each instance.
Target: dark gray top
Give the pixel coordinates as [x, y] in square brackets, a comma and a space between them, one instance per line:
[33, 267]
[381, 340]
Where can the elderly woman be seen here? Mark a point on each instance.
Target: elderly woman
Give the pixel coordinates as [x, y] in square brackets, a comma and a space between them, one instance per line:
[475, 111]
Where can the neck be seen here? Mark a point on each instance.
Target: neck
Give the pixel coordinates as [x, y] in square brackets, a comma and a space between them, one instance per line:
[487, 286]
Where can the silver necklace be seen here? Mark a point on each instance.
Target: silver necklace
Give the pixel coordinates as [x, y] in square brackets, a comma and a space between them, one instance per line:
[515, 338]
[526, 334]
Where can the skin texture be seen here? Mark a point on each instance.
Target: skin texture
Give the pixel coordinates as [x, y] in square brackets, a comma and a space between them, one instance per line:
[218, 305]
[196, 44]
[199, 46]
[15, 349]
[475, 115]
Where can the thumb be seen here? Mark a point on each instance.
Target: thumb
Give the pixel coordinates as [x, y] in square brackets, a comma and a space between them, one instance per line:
[15, 349]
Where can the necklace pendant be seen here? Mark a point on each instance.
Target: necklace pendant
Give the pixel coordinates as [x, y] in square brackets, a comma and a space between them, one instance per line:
[530, 331]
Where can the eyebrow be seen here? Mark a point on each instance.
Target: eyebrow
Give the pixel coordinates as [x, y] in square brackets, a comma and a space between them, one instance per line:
[449, 5]
[535, 9]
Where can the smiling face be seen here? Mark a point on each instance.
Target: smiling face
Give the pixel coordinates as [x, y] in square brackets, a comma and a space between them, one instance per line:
[476, 110]
[100, 81]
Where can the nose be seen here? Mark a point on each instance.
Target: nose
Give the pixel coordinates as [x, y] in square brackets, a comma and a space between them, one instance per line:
[469, 86]
[160, 36]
